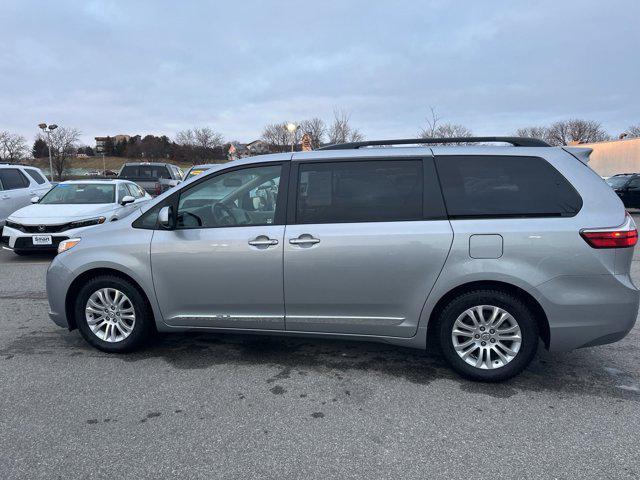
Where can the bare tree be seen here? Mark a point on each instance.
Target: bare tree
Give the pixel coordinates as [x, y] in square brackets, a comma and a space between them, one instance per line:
[341, 131]
[200, 143]
[317, 130]
[13, 147]
[633, 131]
[576, 130]
[277, 136]
[64, 143]
[541, 133]
[435, 129]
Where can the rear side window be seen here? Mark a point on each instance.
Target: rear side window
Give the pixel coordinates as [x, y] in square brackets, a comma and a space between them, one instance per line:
[35, 175]
[505, 186]
[360, 191]
[634, 184]
[12, 178]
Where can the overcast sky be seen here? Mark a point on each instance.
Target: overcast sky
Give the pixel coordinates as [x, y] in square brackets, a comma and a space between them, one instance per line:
[111, 67]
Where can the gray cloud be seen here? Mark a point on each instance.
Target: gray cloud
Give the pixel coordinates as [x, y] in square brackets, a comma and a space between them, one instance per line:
[111, 67]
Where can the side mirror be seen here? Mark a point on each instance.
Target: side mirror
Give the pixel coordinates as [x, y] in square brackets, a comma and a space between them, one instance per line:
[35, 199]
[126, 200]
[164, 217]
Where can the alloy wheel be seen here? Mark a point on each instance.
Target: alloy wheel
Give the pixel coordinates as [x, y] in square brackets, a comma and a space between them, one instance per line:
[486, 337]
[110, 315]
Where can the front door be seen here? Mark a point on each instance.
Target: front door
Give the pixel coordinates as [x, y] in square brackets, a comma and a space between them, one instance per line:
[221, 267]
[364, 245]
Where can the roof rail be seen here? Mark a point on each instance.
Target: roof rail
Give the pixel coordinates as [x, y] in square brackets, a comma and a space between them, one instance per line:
[515, 141]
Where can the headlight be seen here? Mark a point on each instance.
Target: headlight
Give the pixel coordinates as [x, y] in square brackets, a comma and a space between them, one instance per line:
[13, 225]
[87, 223]
[68, 244]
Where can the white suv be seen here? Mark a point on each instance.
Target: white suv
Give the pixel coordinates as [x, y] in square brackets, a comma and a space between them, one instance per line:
[18, 184]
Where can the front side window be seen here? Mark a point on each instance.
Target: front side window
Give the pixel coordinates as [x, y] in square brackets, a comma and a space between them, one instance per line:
[505, 186]
[35, 175]
[80, 193]
[360, 191]
[122, 191]
[12, 179]
[134, 190]
[237, 198]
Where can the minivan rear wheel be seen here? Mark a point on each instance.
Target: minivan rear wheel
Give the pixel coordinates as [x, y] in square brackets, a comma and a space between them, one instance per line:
[488, 335]
[112, 315]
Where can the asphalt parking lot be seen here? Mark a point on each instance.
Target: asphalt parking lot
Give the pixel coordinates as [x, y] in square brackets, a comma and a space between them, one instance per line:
[221, 406]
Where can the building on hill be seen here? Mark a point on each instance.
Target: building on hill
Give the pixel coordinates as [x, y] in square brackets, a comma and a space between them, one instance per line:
[102, 141]
[615, 156]
[257, 147]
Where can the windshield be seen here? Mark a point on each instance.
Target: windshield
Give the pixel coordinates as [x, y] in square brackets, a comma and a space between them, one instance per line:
[618, 181]
[80, 193]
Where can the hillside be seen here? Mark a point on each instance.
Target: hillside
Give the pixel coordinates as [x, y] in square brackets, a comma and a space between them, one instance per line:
[96, 163]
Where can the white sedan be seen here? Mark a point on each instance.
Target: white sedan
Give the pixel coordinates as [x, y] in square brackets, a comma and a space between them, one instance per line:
[68, 209]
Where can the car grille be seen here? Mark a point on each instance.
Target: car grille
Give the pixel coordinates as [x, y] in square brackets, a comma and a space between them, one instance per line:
[26, 243]
[39, 228]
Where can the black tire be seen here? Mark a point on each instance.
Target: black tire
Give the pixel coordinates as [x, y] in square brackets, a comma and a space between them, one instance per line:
[506, 301]
[143, 329]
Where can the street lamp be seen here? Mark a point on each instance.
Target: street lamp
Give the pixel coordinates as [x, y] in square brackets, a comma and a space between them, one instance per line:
[292, 128]
[48, 129]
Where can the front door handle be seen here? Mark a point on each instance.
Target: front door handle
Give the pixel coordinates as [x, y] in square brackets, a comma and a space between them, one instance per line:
[305, 239]
[263, 241]
[6, 197]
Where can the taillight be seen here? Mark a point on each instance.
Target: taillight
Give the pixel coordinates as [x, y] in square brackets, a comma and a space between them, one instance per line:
[623, 236]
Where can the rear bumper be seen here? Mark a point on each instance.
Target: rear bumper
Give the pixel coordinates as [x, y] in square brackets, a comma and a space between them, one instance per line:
[584, 311]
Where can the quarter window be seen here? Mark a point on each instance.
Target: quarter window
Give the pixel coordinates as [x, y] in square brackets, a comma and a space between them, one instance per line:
[12, 179]
[360, 191]
[236, 198]
[505, 186]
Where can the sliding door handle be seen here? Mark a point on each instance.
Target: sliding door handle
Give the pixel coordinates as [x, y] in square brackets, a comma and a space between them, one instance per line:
[304, 240]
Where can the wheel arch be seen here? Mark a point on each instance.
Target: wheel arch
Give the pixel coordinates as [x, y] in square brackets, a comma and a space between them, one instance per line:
[81, 279]
[526, 297]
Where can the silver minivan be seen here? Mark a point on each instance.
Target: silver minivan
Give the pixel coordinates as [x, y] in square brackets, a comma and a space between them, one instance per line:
[18, 185]
[481, 250]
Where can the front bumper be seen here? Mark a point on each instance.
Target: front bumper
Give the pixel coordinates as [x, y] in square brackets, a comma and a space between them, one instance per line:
[58, 282]
[23, 242]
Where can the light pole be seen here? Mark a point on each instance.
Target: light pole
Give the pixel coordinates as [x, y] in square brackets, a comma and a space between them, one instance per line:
[48, 129]
[292, 128]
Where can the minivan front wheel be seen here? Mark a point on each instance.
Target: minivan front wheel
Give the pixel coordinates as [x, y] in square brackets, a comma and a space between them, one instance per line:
[488, 335]
[112, 315]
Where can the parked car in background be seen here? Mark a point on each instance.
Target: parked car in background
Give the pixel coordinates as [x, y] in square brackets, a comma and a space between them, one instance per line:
[154, 178]
[110, 173]
[92, 173]
[198, 169]
[67, 210]
[18, 184]
[484, 250]
[627, 187]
